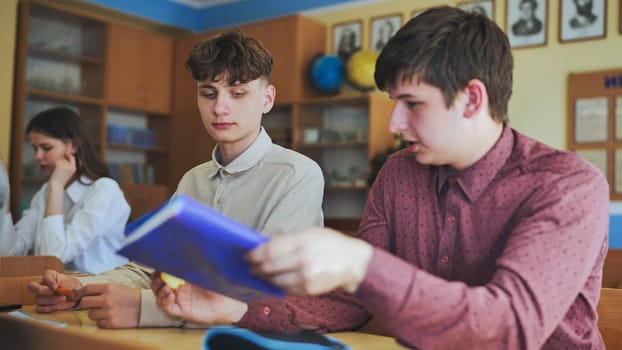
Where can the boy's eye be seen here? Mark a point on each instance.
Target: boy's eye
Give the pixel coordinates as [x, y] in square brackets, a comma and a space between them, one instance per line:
[411, 104]
[208, 94]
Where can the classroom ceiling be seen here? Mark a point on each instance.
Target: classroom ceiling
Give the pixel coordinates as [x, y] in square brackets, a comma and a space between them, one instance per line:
[205, 15]
[204, 3]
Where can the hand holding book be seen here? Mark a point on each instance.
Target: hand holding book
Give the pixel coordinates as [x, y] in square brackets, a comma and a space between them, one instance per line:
[196, 304]
[192, 241]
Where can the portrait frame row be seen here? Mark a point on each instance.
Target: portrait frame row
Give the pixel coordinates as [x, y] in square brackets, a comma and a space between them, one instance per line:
[526, 23]
[346, 36]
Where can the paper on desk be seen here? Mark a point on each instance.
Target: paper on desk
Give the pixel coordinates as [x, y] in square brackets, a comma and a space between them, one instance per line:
[21, 314]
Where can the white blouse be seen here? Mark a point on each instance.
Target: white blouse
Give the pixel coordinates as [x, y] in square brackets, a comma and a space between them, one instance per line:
[87, 235]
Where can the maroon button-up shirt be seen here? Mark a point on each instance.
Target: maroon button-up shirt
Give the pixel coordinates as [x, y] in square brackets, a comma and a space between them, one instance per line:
[507, 254]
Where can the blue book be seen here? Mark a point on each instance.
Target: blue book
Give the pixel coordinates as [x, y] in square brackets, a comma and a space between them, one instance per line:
[192, 241]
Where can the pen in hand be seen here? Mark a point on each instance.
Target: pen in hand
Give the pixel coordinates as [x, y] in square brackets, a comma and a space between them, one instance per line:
[70, 294]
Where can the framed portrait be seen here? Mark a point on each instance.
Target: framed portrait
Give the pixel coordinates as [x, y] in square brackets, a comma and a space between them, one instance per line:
[526, 22]
[480, 6]
[582, 20]
[382, 29]
[347, 38]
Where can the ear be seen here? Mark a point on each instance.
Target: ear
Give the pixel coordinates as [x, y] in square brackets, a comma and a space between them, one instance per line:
[72, 147]
[269, 97]
[477, 97]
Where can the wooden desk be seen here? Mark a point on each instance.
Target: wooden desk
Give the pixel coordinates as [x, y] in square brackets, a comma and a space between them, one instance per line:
[612, 269]
[19, 266]
[16, 272]
[610, 317]
[82, 332]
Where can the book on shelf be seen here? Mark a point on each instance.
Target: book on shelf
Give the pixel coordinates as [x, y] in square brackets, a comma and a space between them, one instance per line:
[189, 240]
[126, 174]
[132, 173]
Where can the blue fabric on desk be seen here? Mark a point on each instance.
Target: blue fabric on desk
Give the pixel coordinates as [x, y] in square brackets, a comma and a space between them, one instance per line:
[230, 338]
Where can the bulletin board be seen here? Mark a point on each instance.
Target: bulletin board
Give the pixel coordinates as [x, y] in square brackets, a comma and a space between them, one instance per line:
[595, 122]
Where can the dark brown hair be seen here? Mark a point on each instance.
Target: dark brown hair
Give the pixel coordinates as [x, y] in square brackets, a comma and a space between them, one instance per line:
[64, 124]
[231, 55]
[447, 47]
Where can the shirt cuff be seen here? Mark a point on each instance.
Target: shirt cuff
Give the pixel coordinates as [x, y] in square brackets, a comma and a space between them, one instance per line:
[269, 314]
[151, 315]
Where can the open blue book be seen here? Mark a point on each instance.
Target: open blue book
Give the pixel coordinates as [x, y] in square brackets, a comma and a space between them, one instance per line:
[192, 241]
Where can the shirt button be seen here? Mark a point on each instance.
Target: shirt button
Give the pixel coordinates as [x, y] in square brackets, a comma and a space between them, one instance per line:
[445, 259]
[452, 180]
[451, 218]
[266, 310]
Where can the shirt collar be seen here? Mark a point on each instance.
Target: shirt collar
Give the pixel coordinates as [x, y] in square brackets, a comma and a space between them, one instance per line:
[474, 180]
[78, 189]
[247, 159]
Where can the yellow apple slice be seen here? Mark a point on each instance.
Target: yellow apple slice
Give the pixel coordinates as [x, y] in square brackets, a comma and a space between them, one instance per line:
[171, 281]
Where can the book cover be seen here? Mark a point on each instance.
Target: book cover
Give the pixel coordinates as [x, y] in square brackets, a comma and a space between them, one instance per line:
[192, 241]
[126, 173]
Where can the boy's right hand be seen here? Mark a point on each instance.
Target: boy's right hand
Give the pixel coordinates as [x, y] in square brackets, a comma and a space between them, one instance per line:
[49, 301]
[195, 304]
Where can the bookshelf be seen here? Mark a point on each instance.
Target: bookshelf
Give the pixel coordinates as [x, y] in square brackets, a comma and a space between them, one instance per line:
[342, 133]
[69, 58]
[57, 63]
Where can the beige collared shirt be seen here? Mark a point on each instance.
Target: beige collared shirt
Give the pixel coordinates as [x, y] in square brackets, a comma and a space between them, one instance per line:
[267, 187]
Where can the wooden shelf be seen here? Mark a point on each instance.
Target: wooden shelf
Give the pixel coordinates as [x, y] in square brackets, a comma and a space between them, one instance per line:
[63, 97]
[63, 56]
[124, 147]
[345, 225]
[95, 82]
[359, 121]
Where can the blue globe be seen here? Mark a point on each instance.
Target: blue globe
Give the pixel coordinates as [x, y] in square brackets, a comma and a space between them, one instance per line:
[327, 73]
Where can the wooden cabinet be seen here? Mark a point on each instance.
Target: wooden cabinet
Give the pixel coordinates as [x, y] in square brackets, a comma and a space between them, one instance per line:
[144, 198]
[342, 134]
[139, 71]
[62, 59]
[58, 62]
[138, 95]
[293, 41]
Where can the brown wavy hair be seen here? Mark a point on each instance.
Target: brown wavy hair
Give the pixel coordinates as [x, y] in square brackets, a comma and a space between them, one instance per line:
[231, 55]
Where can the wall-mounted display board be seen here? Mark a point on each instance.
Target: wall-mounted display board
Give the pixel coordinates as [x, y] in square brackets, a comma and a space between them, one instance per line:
[595, 122]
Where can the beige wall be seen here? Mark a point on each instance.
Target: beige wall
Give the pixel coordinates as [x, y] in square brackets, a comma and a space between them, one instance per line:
[8, 21]
[537, 107]
[538, 104]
